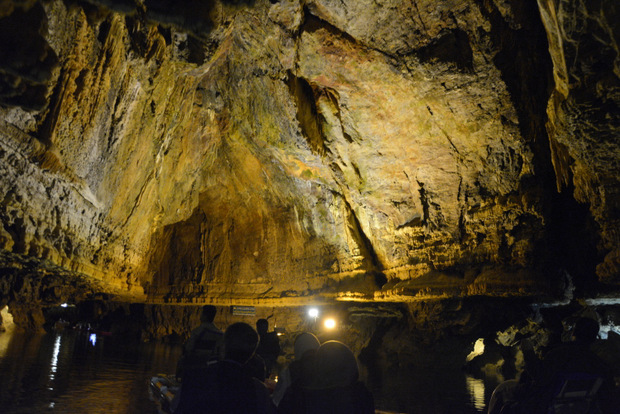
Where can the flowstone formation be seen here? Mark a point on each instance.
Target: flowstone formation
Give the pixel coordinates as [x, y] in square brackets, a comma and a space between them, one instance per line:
[277, 152]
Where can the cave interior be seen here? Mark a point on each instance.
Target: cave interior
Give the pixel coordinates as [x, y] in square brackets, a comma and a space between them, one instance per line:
[417, 171]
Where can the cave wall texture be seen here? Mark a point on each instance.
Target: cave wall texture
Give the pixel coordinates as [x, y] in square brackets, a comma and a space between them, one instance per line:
[276, 152]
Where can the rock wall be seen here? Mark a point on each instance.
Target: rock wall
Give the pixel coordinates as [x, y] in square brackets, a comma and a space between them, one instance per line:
[276, 152]
[583, 115]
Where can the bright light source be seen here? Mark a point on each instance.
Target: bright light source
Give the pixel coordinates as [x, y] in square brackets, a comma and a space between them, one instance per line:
[64, 305]
[478, 349]
[313, 312]
[93, 339]
[330, 323]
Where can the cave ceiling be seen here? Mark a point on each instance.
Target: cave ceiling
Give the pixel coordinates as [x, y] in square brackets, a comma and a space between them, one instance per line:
[277, 152]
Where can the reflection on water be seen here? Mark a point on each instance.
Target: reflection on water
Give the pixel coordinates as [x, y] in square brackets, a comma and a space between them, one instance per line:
[54, 363]
[418, 391]
[430, 381]
[71, 372]
[74, 372]
[476, 390]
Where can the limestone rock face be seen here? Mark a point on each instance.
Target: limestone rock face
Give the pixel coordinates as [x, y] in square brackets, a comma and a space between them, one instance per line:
[266, 152]
[583, 114]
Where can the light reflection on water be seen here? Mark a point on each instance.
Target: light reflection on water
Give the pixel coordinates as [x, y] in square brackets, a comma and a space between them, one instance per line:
[69, 373]
[433, 393]
[431, 381]
[54, 363]
[66, 373]
[476, 390]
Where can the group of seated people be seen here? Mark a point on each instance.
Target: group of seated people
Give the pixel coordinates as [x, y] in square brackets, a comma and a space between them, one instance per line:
[323, 378]
[571, 378]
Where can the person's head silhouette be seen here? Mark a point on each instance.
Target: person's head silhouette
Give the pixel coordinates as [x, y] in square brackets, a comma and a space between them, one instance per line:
[586, 330]
[208, 313]
[240, 341]
[262, 326]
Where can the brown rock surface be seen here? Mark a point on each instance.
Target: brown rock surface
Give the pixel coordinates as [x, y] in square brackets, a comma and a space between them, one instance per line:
[583, 114]
[266, 152]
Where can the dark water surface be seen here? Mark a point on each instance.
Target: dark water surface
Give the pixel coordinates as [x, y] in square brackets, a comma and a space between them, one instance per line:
[67, 373]
[73, 372]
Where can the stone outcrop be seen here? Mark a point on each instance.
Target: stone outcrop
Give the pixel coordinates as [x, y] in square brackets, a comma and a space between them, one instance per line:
[273, 152]
[583, 113]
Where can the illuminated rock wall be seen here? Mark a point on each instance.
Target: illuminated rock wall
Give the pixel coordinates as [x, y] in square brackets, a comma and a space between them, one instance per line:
[263, 152]
[583, 116]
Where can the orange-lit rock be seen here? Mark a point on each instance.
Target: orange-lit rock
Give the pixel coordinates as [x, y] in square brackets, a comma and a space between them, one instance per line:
[267, 152]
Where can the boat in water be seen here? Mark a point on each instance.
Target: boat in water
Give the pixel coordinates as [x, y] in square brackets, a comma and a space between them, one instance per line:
[162, 389]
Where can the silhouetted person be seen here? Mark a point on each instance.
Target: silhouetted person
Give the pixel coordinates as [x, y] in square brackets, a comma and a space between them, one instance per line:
[204, 344]
[571, 361]
[333, 388]
[576, 357]
[268, 346]
[255, 367]
[224, 387]
[511, 391]
[298, 371]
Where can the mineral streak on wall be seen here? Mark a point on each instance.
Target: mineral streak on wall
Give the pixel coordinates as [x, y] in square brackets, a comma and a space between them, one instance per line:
[270, 151]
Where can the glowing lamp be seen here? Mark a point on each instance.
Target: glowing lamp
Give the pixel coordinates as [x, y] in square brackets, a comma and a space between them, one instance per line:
[313, 312]
[330, 323]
